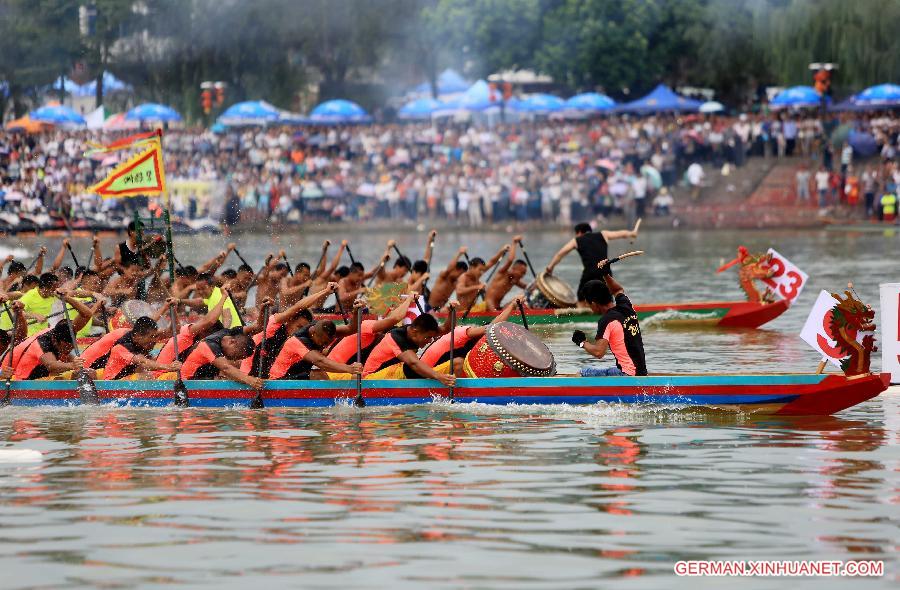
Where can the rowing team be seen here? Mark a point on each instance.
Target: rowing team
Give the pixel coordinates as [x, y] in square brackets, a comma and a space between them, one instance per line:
[292, 344]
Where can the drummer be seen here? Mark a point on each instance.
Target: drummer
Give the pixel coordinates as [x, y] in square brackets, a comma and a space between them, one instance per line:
[509, 275]
[618, 330]
[592, 247]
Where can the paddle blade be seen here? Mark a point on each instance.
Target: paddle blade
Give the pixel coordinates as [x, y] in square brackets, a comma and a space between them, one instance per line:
[359, 402]
[87, 390]
[180, 395]
[257, 402]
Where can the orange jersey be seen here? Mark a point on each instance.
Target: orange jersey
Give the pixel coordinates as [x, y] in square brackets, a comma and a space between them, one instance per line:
[345, 349]
[439, 352]
[96, 355]
[386, 352]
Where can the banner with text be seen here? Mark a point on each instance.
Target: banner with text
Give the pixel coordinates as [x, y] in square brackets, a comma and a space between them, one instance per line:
[890, 330]
[787, 280]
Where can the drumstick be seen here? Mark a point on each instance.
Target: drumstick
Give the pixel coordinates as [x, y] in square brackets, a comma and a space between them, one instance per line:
[452, 347]
[637, 226]
[620, 257]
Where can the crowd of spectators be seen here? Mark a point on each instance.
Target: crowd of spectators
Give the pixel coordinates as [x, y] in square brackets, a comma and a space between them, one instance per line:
[548, 170]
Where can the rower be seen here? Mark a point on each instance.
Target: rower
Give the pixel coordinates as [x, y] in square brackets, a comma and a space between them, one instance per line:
[618, 330]
[14, 275]
[215, 355]
[469, 283]
[38, 302]
[352, 285]
[191, 333]
[127, 252]
[128, 355]
[592, 247]
[464, 339]
[48, 352]
[344, 350]
[7, 336]
[125, 286]
[208, 295]
[446, 281]
[323, 276]
[279, 328]
[269, 281]
[508, 275]
[397, 273]
[303, 351]
[395, 356]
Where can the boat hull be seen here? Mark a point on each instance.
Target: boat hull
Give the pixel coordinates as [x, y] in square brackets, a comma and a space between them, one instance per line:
[799, 394]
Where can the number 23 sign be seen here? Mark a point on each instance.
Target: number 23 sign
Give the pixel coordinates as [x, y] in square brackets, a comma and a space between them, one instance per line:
[787, 280]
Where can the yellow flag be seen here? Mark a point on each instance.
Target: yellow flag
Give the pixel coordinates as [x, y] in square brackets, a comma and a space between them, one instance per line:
[144, 174]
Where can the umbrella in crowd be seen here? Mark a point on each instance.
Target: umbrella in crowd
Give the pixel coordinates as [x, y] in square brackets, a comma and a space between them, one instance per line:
[339, 111]
[712, 107]
[256, 112]
[882, 95]
[419, 109]
[796, 97]
[538, 104]
[26, 124]
[153, 112]
[862, 143]
[590, 102]
[57, 115]
[661, 100]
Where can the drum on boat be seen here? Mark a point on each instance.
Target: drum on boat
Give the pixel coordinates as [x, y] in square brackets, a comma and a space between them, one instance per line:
[548, 292]
[509, 350]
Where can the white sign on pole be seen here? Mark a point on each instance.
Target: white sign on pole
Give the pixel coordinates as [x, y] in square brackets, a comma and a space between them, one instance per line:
[890, 330]
[787, 280]
[817, 329]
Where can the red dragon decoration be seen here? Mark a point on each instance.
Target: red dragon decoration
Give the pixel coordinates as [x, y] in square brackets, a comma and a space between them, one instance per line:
[754, 267]
[849, 317]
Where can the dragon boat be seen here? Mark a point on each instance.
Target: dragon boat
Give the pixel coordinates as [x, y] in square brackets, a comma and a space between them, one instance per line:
[789, 394]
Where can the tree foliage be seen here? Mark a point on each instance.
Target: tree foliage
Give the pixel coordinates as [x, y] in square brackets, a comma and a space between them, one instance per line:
[275, 49]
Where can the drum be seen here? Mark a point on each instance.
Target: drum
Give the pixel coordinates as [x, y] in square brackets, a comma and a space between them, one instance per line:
[509, 350]
[549, 291]
[129, 312]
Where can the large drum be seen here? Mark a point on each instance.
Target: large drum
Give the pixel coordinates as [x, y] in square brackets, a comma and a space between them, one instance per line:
[509, 350]
[549, 291]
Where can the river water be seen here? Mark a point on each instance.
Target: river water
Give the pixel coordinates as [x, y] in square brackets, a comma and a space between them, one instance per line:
[470, 496]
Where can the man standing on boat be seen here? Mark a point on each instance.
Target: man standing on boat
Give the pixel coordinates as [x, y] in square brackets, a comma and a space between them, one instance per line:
[592, 247]
[618, 329]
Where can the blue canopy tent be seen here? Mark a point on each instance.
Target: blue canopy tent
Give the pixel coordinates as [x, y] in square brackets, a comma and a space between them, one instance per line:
[153, 112]
[57, 115]
[110, 84]
[256, 112]
[880, 96]
[339, 111]
[478, 98]
[660, 100]
[538, 104]
[796, 97]
[419, 109]
[590, 102]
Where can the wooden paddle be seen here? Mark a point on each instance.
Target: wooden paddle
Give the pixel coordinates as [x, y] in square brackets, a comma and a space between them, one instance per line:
[340, 307]
[72, 253]
[527, 259]
[179, 390]
[359, 402]
[452, 348]
[350, 253]
[637, 226]
[522, 313]
[241, 258]
[34, 261]
[257, 402]
[87, 389]
[9, 351]
[285, 258]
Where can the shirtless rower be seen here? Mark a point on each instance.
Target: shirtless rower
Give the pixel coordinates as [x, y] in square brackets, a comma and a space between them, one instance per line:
[396, 275]
[508, 275]
[352, 285]
[592, 247]
[469, 283]
[446, 281]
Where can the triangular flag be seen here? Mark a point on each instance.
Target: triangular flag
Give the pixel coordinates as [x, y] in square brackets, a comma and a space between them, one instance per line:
[144, 174]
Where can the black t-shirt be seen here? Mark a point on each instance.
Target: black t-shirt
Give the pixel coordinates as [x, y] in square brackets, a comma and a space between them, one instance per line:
[592, 247]
[127, 255]
[624, 313]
